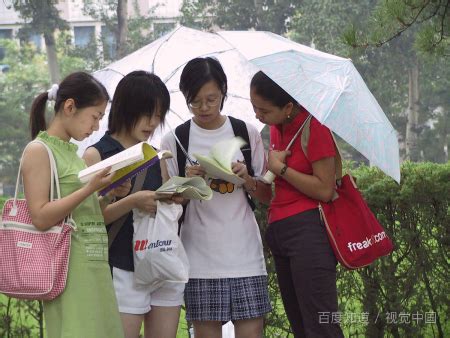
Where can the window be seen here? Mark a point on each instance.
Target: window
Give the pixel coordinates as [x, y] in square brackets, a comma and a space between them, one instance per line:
[34, 38]
[84, 35]
[109, 43]
[6, 33]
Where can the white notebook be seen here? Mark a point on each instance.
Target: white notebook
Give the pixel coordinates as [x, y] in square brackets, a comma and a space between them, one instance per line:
[218, 163]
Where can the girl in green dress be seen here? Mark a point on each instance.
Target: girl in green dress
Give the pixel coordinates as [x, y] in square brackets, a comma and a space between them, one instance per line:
[87, 307]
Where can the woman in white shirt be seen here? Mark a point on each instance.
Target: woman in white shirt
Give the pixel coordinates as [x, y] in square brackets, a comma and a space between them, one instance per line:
[228, 278]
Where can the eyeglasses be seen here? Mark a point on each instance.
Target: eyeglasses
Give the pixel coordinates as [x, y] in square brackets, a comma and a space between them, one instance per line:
[210, 102]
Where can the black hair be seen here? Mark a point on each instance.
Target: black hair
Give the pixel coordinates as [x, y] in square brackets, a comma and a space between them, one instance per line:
[138, 94]
[265, 87]
[81, 87]
[199, 71]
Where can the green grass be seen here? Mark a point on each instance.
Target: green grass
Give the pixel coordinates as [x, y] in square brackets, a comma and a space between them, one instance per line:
[20, 318]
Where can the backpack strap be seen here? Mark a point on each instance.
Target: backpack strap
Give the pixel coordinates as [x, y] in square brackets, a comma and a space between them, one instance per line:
[117, 225]
[240, 129]
[182, 132]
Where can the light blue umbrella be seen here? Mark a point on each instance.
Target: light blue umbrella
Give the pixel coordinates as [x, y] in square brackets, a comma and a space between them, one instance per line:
[330, 88]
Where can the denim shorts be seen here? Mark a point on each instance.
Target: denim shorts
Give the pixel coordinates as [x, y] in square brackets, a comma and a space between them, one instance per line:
[227, 299]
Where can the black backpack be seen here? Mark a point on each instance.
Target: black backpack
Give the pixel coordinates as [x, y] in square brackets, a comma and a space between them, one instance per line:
[239, 129]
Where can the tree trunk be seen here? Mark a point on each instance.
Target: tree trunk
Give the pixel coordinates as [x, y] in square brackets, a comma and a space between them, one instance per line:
[412, 126]
[259, 14]
[122, 29]
[52, 57]
[374, 327]
[433, 304]
[444, 136]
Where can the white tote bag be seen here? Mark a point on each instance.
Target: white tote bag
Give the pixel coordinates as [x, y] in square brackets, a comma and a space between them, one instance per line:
[159, 255]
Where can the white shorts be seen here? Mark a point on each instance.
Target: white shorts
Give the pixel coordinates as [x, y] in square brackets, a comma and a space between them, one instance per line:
[136, 299]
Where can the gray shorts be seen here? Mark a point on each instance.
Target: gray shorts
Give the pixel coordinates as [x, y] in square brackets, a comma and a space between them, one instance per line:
[226, 299]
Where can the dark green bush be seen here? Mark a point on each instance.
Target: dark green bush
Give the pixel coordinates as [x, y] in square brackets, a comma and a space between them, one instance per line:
[405, 294]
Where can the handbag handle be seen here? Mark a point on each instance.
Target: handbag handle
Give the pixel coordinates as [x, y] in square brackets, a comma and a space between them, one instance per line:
[337, 158]
[54, 178]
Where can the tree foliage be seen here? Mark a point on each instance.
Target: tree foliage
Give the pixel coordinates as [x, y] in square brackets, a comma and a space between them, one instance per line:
[393, 296]
[322, 23]
[27, 77]
[268, 15]
[385, 70]
[429, 20]
[43, 17]
[139, 27]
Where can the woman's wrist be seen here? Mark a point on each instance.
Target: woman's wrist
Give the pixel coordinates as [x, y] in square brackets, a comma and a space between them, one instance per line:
[278, 168]
[251, 184]
[283, 170]
[106, 199]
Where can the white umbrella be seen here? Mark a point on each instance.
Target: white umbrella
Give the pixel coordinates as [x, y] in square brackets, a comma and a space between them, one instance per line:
[330, 88]
[166, 57]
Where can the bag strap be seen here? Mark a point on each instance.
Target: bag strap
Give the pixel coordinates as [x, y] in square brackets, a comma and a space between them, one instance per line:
[240, 129]
[117, 224]
[337, 159]
[54, 177]
[182, 133]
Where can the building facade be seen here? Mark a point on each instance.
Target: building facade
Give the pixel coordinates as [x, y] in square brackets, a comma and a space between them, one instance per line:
[83, 28]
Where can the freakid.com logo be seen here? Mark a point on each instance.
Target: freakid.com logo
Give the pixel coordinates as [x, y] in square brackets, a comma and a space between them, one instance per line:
[353, 246]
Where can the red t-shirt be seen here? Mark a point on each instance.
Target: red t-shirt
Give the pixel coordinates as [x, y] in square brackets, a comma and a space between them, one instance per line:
[288, 201]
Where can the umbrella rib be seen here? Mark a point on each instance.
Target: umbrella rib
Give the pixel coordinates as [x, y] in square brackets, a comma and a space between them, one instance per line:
[176, 114]
[238, 96]
[332, 107]
[184, 64]
[159, 47]
[111, 70]
[191, 161]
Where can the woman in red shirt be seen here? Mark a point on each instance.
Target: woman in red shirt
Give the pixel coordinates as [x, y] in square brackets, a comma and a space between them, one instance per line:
[304, 260]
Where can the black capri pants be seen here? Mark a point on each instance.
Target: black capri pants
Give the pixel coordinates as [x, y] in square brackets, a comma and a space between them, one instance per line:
[306, 271]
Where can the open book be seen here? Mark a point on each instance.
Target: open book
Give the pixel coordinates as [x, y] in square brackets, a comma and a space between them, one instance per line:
[192, 188]
[218, 163]
[125, 164]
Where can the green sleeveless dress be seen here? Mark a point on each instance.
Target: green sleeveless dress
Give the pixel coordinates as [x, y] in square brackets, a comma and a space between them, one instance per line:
[87, 308]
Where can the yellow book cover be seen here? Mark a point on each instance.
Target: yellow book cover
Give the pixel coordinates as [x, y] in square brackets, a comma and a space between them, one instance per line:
[126, 164]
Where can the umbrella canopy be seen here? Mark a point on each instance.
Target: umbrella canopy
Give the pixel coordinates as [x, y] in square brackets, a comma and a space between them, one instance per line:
[330, 88]
[166, 57]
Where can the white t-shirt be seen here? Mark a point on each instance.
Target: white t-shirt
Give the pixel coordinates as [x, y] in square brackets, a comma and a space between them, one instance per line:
[221, 236]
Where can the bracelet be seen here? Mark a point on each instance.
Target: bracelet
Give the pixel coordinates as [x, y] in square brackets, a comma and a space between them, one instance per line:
[252, 189]
[283, 170]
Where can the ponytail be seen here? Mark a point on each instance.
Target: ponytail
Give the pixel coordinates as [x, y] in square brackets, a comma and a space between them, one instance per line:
[37, 115]
[81, 87]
